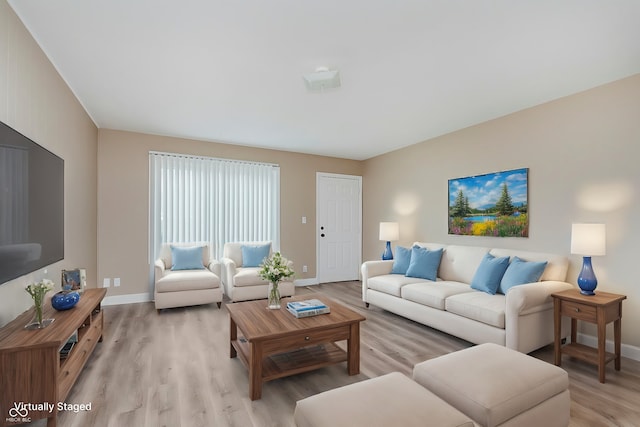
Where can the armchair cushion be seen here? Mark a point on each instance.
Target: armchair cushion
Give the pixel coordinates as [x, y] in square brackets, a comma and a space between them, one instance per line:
[253, 255]
[187, 280]
[186, 258]
[233, 251]
[165, 252]
[248, 276]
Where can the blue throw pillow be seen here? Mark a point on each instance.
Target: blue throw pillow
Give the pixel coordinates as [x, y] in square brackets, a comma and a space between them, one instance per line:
[402, 260]
[186, 258]
[424, 263]
[253, 255]
[520, 272]
[489, 274]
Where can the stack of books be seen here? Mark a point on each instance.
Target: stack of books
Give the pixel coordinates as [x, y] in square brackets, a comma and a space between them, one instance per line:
[306, 308]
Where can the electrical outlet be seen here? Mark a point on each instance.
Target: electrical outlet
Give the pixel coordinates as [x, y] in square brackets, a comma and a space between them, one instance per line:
[304, 268]
[116, 282]
[304, 219]
[106, 282]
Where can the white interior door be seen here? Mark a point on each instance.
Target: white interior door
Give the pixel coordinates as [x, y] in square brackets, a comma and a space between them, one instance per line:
[339, 226]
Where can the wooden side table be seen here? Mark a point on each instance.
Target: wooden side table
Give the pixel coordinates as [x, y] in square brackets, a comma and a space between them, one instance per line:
[600, 309]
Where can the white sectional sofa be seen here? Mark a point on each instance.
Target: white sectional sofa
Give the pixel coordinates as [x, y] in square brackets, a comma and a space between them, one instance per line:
[521, 320]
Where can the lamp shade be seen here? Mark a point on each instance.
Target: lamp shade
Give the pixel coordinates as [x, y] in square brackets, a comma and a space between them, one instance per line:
[389, 231]
[588, 239]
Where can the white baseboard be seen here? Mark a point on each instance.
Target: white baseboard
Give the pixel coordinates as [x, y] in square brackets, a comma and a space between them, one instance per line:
[126, 299]
[630, 351]
[145, 297]
[306, 282]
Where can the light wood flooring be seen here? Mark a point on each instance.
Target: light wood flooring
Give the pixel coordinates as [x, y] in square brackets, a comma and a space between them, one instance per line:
[174, 370]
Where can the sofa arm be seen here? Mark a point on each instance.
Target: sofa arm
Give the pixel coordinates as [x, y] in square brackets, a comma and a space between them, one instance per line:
[529, 322]
[159, 269]
[371, 269]
[228, 270]
[376, 268]
[215, 267]
[532, 297]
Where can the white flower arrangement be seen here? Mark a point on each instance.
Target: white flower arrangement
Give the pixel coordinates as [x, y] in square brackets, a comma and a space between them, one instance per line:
[37, 292]
[275, 268]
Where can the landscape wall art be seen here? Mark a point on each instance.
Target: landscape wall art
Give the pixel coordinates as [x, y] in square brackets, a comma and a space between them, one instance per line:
[495, 204]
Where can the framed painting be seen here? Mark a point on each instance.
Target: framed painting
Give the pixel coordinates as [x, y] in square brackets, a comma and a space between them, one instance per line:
[494, 204]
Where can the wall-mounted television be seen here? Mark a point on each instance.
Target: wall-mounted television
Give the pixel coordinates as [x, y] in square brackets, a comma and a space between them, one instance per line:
[31, 205]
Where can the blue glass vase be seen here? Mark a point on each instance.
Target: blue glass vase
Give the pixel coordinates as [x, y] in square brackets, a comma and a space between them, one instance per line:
[587, 279]
[387, 254]
[65, 300]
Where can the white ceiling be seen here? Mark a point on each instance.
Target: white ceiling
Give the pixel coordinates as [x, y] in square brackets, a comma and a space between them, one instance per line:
[231, 70]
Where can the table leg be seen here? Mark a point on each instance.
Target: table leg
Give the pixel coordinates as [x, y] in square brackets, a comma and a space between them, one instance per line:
[602, 337]
[617, 337]
[574, 330]
[353, 349]
[233, 336]
[557, 325]
[255, 371]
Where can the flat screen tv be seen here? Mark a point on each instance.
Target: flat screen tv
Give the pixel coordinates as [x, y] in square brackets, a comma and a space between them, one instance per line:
[31, 205]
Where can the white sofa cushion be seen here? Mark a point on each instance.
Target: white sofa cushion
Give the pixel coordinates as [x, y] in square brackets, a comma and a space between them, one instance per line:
[433, 294]
[392, 283]
[248, 276]
[480, 306]
[557, 265]
[460, 263]
[388, 400]
[181, 280]
[493, 384]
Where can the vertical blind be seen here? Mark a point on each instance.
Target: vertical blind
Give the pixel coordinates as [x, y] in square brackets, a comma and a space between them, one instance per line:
[203, 199]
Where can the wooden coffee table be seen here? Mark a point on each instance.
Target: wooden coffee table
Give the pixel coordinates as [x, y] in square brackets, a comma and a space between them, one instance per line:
[274, 344]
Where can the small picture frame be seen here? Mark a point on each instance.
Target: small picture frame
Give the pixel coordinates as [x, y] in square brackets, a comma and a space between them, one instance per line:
[72, 280]
[83, 279]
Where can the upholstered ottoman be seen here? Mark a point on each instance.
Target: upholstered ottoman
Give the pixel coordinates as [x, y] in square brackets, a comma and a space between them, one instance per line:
[389, 400]
[496, 386]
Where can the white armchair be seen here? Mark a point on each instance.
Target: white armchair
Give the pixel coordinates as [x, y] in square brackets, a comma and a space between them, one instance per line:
[241, 281]
[176, 286]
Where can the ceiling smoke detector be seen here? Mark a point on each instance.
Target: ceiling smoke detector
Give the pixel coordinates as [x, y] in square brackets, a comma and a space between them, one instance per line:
[322, 79]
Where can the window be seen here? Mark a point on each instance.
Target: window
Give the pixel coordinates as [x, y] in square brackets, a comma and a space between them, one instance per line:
[202, 199]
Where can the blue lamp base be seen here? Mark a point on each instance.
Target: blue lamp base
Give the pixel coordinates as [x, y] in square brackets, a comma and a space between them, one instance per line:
[387, 254]
[587, 279]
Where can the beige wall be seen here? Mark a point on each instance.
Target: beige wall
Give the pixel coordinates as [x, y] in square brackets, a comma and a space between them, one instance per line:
[35, 101]
[582, 152]
[123, 199]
